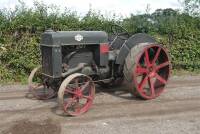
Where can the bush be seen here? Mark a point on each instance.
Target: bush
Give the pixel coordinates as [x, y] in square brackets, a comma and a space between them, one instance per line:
[20, 32]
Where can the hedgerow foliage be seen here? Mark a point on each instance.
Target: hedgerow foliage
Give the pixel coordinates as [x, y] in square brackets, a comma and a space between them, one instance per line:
[20, 32]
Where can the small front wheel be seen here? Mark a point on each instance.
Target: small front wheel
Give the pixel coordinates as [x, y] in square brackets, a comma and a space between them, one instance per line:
[39, 86]
[76, 94]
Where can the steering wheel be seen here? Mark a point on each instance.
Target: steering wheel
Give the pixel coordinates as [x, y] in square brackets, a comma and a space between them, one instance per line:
[120, 31]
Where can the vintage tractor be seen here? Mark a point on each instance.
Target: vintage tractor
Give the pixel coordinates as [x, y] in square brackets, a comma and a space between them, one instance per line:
[74, 61]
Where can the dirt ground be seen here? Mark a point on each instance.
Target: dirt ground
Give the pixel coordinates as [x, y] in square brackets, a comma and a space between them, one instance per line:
[176, 111]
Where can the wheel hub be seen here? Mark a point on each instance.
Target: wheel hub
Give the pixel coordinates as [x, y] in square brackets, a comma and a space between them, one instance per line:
[79, 93]
[151, 72]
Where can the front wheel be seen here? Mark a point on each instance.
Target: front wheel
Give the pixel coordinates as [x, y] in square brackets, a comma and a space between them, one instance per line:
[39, 86]
[76, 94]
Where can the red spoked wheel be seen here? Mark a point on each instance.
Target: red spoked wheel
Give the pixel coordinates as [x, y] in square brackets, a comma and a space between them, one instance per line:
[150, 68]
[76, 94]
[39, 86]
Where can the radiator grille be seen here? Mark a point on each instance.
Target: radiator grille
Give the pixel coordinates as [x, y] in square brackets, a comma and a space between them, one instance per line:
[47, 66]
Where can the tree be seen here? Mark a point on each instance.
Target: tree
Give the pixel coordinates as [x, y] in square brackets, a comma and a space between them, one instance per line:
[192, 7]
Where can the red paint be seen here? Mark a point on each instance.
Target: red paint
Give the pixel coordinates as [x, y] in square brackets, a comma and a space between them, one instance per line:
[80, 97]
[151, 74]
[104, 48]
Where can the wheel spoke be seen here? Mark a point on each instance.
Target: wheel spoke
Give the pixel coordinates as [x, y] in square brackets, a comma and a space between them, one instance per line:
[162, 65]
[140, 70]
[161, 79]
[147, 62]
[87, 97]
[143, 82]
[156, 56]
[68, 103]
[151, 86]
[69, 91]
[84, 86]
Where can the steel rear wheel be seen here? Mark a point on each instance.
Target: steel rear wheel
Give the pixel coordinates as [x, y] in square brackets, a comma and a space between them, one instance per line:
[39, 86]
[76, 94]
[149, 69]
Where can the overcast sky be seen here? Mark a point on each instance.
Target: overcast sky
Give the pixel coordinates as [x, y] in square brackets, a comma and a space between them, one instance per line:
[123, 7]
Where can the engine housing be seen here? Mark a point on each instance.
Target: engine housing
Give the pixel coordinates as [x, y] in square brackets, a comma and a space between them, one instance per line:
[75, 46]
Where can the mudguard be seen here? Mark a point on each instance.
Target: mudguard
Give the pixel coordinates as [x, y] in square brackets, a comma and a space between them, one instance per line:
[131, 42]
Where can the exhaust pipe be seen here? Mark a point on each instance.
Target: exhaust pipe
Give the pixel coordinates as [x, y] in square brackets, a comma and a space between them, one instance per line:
[73, 70]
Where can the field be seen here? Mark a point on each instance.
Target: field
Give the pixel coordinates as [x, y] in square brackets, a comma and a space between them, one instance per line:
[114, 111]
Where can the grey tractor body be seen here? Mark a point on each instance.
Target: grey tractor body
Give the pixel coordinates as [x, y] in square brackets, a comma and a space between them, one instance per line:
[88, 52]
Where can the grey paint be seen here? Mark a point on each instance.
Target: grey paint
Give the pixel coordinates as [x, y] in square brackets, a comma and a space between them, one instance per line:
[55, 40]
[68, 37]
[131, 42]
[57, 62]
[52, 61]
[100, 59]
